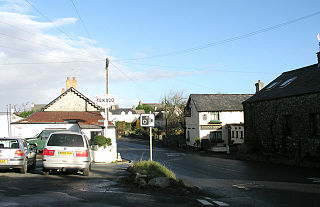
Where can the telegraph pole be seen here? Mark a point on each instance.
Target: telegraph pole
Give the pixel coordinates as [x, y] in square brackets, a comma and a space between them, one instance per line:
[107, 86]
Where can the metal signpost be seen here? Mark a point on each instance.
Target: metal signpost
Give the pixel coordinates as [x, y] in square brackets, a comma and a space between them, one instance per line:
[147, 120]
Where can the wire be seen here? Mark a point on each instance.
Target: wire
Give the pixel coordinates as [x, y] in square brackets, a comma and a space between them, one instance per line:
[133, 81]
[58, 62]
[196, 69]
[44, 16]
[47, 18]
[83, 25]
[212, 44]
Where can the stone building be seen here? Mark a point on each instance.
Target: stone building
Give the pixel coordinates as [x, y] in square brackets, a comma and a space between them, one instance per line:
[283, 119]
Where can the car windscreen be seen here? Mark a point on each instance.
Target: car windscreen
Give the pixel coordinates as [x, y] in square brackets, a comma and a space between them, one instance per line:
[66, 140]
[9, 143]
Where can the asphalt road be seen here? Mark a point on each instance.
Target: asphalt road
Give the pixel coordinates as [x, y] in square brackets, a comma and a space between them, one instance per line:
[73, 189]
[234, 182]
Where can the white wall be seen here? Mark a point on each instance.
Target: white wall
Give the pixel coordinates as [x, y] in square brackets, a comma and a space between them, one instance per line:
[124, 117]
[30, 130]
[226, 117]
[4, 124]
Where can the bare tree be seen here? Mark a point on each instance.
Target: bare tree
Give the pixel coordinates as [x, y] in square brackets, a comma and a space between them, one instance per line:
[173, 106]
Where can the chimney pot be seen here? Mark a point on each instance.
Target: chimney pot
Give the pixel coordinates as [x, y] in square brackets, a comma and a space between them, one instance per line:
[74, 78]
[68, 78]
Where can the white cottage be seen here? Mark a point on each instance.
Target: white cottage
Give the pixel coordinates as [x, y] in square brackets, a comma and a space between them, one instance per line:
[216, 118]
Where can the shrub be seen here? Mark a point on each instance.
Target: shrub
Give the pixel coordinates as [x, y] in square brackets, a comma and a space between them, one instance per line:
[102, 141]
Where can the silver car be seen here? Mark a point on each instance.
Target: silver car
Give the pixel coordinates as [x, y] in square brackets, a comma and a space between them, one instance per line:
[17, 153]
[66, 151]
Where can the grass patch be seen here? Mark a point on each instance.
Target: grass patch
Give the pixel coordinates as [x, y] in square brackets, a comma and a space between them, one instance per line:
[152, 169]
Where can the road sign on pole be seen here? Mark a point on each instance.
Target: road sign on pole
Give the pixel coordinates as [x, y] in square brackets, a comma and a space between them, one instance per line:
[147, 120]
[105, 100]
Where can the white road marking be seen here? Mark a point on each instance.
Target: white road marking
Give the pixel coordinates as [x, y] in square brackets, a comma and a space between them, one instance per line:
[241, 186]
[220, 203]
[315, 180]
[173, 154]
[204, 202]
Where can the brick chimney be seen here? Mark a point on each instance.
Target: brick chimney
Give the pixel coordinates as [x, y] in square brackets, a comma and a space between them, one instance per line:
[71, 83]
[318, 55]
[259, 86]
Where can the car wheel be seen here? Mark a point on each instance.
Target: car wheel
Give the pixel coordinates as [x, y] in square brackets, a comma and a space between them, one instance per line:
[45, 171]
[24, 167]
[86, 172]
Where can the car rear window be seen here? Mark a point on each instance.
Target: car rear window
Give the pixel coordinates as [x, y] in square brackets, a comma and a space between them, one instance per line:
[9, 143]
[66, 140]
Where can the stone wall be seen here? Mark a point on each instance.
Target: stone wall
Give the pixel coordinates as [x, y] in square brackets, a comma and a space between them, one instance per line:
[71, 102]
[283, 126]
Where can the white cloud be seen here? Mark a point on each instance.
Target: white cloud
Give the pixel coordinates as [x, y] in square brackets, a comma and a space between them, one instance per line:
[24, 40]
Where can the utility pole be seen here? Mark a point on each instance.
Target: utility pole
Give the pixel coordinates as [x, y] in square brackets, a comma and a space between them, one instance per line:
[107, 86]
[166, 117]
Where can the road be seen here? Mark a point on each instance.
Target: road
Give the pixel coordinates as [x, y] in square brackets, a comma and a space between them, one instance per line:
[234, 182]
[69, 189]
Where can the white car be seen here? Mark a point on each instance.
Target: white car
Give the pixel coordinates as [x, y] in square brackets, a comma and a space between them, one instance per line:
[17, 153]
[66, 151]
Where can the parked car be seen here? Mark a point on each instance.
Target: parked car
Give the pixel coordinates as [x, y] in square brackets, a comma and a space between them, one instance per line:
[66, 151]
[40, 139]
[16, 153]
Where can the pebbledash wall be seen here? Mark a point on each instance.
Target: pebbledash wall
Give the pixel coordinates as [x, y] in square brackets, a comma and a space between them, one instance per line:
[283, 126]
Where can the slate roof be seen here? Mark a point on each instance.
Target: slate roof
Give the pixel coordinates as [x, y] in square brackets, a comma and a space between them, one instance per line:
[305, 80]
[85, 118]
[218, 102]
[38, 107]
[119, 110]
[76, 92]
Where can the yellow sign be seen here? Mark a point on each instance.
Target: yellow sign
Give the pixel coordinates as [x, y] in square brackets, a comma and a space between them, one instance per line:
[210, 127]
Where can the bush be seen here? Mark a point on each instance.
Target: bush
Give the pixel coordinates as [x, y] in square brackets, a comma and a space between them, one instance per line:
[102, 141]
[152, 169]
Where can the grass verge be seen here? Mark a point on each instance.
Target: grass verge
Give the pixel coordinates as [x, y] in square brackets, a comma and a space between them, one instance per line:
[152, 169]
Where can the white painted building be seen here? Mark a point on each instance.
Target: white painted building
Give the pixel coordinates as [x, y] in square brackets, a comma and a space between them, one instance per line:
[123, 114]
[215, 117]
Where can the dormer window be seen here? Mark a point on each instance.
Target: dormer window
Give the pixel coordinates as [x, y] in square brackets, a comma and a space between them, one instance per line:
[287, 82]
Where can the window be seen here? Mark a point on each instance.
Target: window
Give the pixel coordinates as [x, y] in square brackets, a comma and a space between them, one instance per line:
[66, 140]
[241, 134]
[232, 134]
[94, 133]
[315, 122]
[272, 85]
[214, 116]
[237, 134]
[188, 136]
[287, 82]
[9, 143]
[216, 137]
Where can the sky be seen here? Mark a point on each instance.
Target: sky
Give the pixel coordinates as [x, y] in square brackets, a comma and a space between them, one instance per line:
[155, 48]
